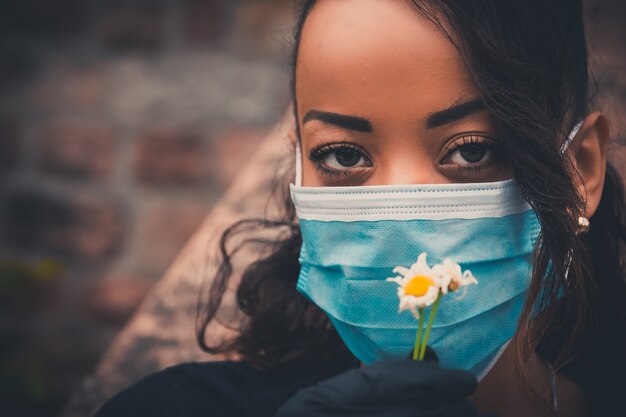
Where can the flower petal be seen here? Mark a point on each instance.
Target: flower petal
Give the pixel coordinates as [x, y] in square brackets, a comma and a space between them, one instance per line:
[440, 277]
[404, 304]
[398, 280]
[405, 272]
[469, 277]
[452, 267]
[431, 296]
[416, 314]
[462, 295]
[420, 267]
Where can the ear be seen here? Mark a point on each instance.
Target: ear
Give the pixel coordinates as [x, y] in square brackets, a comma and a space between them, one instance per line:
[590, 151]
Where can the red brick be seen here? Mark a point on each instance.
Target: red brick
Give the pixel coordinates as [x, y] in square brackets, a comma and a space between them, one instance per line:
[77, 148]
[71, 88]
[99, 228]
[9, 144]
[163, 229]
[168, 156]
[81, 227]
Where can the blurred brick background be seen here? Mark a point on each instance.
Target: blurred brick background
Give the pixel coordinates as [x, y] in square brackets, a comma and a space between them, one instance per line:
[121, 123]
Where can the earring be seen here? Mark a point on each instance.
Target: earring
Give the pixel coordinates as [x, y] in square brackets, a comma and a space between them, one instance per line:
[583, 226]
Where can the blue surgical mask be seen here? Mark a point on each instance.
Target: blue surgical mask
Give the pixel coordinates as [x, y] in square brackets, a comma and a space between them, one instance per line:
[353, 238]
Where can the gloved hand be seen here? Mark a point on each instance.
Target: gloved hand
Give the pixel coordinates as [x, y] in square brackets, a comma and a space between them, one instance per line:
[389, 388]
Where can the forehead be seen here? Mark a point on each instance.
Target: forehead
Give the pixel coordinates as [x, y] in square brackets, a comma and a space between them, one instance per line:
[358, 54]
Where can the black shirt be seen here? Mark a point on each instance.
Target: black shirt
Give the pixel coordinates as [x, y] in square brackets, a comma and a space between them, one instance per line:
[216, 389]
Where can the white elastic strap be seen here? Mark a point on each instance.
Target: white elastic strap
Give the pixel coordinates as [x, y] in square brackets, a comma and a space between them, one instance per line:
[571, 136]
[569, 140]
[298, 164]
[568, 263]
[555, 403]
[493, 361]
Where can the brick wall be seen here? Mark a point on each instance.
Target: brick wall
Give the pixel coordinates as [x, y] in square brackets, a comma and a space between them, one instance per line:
[121, 123]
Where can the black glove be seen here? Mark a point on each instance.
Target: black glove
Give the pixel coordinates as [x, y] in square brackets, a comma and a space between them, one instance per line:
[389, 388]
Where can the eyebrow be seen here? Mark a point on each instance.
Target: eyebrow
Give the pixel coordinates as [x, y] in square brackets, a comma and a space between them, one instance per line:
[454, 113]
[434, 120]
[355, 123]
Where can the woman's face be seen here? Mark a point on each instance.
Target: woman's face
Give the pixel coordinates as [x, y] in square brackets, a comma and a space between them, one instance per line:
[384, 98]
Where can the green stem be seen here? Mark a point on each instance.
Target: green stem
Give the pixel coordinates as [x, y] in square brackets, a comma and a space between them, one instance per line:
[420, 327]
[430, 323]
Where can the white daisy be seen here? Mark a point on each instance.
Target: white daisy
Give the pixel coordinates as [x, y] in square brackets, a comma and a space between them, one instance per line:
[451, 277]
[418, 285]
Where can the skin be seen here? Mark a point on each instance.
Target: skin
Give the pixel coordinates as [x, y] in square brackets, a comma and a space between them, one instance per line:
[375, 85]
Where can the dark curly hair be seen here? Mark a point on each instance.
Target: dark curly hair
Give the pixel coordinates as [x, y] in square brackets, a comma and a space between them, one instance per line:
[529, 60]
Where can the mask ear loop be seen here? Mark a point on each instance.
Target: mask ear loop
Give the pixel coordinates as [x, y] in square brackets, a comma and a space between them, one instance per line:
[571, 136]
[570, 139]
[298, 164]
[568, 262]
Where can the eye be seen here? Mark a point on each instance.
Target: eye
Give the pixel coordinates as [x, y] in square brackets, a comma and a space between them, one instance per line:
[474, 157]
[472, 153]
[344, 158]
[339, 157]
[469, 151]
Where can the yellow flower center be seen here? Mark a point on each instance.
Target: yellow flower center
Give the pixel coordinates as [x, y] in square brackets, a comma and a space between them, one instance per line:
[418, 286]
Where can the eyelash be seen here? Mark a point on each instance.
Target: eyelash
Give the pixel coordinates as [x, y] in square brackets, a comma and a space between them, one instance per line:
[329, 172]
[318, 153]
[471, 139]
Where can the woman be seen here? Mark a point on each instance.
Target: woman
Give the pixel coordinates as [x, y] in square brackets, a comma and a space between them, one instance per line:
[460, 129]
